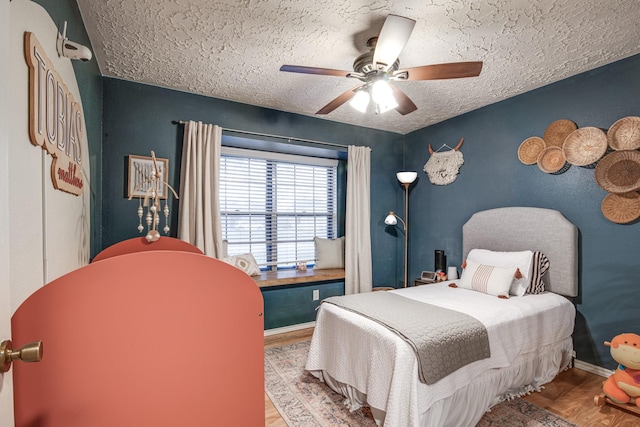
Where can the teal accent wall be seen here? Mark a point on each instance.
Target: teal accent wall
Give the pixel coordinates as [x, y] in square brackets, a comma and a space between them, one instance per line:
[90, 85]
[492, 176]
[290, 305]
[139, 118]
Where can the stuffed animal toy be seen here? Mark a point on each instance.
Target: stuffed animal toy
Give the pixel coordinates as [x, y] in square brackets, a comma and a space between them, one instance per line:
[624, 385]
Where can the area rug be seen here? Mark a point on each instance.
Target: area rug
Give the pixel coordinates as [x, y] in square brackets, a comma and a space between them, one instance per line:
[305, 401]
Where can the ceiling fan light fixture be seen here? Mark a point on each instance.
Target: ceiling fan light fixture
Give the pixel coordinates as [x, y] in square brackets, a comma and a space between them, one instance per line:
[380, 64]
[381, 92]
[360, 101]
[382, 95]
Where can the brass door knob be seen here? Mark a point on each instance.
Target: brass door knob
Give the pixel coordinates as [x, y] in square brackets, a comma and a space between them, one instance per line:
[31, 352]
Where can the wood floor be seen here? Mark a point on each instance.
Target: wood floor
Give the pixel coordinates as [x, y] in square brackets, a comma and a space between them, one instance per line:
[570, 395]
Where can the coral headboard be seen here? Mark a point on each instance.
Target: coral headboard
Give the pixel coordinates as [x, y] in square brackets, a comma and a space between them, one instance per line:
[140, 244]
[154, 338]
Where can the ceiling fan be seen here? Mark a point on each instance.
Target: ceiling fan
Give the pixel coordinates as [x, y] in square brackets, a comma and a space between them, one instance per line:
[380, 65]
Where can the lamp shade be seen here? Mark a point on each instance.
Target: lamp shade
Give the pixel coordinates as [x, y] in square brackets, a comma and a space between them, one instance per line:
[360, 101]
[382, 95]
[391, 219]
[381, 92]
[407, 177]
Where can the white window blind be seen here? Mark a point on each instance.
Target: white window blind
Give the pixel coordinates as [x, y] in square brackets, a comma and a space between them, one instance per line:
[272, 205]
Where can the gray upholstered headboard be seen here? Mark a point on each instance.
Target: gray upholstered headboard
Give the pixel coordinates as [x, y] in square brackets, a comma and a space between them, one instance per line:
[535, 229]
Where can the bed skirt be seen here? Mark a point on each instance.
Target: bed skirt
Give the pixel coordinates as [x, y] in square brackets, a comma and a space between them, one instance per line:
[466, 406]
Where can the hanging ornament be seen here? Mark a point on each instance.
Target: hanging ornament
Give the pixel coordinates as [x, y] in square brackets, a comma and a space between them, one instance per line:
[153, 187]
[140, 213]
[166, 218]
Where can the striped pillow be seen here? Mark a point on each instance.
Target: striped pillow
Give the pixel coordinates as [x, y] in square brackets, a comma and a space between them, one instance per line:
[520, 259]
[487, 278]
[539, 266]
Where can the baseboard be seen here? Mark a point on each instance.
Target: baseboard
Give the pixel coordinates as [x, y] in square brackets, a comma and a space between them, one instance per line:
[598, 370]
[291, 328]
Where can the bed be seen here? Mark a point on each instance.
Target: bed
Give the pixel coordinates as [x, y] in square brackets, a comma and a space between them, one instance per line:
[530, 336]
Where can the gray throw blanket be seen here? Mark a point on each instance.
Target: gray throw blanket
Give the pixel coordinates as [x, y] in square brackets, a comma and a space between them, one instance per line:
[444, 340]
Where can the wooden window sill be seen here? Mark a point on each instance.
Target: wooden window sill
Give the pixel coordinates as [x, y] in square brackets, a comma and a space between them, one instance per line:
[292, 277]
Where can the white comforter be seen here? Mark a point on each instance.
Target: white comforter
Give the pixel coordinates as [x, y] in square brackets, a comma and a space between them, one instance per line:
[382, 368]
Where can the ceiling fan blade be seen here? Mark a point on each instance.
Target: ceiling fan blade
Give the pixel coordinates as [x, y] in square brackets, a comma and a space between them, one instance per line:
[345, 97]
[392, 39]
[315, 70]
[405, 105]
[454, 70]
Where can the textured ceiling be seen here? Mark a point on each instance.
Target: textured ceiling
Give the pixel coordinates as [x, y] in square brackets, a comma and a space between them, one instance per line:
[232, 49]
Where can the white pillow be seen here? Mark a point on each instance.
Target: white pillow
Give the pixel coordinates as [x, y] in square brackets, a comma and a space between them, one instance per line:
[329, 253]
[245, 262]
[489, 279]
[519, 259]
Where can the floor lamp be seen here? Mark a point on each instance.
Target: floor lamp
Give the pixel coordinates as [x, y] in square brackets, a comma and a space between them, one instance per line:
[406, 179]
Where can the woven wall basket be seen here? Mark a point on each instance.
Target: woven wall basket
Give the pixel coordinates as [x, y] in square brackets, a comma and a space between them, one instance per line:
[551, 160]
[621, 208]
[619, 171]
[529, 150]
[585, 146]
[557, 131]
[625, 134]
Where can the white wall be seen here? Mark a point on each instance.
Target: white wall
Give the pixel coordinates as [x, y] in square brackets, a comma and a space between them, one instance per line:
[49, 233]
[6, 385]
[44, 233]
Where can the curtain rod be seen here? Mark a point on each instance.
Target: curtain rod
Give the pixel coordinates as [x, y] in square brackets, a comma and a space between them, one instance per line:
[289, 138]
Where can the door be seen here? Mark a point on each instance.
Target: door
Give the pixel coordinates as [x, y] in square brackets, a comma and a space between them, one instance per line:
[6, 383]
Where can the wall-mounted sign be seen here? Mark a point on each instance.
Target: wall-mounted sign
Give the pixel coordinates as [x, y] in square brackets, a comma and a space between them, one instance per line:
[142, 176]
[56, 121]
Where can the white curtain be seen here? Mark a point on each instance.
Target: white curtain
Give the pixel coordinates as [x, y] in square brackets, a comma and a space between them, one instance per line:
[199, 212]
[358, 276]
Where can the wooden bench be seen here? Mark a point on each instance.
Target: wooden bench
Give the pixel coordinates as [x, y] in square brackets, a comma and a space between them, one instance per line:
[292, 277]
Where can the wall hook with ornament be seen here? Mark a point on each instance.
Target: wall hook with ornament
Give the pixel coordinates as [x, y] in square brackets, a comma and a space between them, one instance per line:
[456, 148]
[443, 166]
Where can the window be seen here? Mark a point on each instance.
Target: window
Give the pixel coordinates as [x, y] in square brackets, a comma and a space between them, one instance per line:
[272, 205]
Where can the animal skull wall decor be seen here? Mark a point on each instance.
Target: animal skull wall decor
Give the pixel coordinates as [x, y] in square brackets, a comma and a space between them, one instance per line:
[443, 167]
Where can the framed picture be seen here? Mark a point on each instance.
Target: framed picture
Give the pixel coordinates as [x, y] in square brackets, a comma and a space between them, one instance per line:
[140, 168]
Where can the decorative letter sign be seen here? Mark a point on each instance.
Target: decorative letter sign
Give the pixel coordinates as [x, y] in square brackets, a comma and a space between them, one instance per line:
[55, 118]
